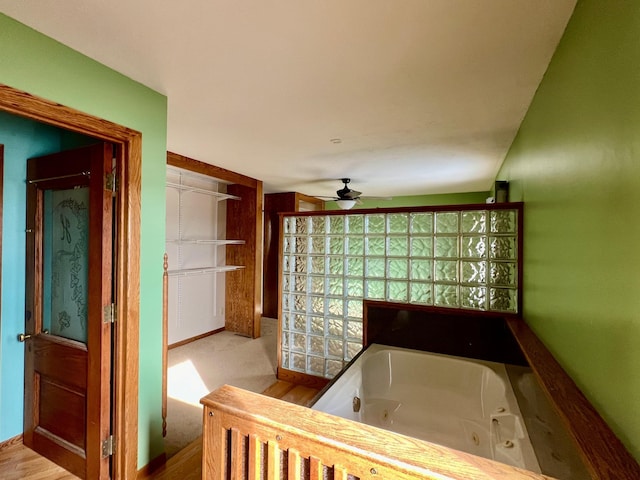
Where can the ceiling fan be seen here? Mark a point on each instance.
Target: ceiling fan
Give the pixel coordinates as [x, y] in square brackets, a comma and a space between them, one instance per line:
[346, 197]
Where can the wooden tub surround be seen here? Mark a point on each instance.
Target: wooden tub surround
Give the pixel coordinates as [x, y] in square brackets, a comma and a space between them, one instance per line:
[250, 436]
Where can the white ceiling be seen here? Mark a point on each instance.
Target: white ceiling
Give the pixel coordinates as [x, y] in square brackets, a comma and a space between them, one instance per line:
[425, 96]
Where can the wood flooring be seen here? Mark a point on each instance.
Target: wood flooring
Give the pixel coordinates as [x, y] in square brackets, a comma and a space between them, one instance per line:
[18, 462]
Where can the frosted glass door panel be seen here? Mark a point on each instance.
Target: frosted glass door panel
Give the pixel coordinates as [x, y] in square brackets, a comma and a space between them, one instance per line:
[65, 261]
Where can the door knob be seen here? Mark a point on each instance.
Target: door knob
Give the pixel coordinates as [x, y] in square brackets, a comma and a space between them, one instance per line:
[22, 337]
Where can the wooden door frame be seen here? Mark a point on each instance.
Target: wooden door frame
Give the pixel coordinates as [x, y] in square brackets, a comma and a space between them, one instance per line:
[127, 267]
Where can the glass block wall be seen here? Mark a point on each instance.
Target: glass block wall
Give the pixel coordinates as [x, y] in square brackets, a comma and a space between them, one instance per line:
[456, 258]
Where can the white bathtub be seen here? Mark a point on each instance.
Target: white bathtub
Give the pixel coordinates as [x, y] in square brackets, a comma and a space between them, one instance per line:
[463, 404]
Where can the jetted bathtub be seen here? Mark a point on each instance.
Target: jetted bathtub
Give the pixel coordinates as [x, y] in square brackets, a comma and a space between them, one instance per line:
[464, 404]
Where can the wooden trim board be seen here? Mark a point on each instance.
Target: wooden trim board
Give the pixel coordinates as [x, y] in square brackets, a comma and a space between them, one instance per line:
[602, 451]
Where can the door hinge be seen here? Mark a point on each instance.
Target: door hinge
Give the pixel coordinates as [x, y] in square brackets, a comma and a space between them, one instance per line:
[108, 447]
[109, 313]
[111, 182]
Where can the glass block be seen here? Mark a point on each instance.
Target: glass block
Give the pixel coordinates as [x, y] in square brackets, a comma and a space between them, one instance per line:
[421, 269]
[375, 267]
[336, 285]
[355, 266]
[336, 245]
[317, 305]
[318, 225]
[298, 362]
[447, 222]
[397, 291]
[287, 244]
[286, 302]
[301, 226]
[298, 342]
[286, 264]
[335, 307]
[300, 283]
[374, 223]
[284, 358]
[355, 245]
[354, 330]
[446, 295]
[446, 246]
[421, 223]
[422, 247]
[375, 289]
[300, 303]
[474, 222]
[315, 344]
[299, 323]
[300, 245]
[318, 245]
[474, 247]
[504, 221]
[398, 268]
[421, 293]
[335, 327]
[316, 325]
[286, 322]
[333, 348]
[315, 365]
[299, 264]
[503, 248]
[289, 223]
[375, 246]
[317, 265]
[285, 340]
[286, 283]
[398, 247]
[446, 270]
[336, 224]
[397, 223]
[354, 308]
[473, 297]
[503, 273]
[336, 265]
[353, 348]
[332, 368]
[317, 285]
[355, 224]
[355, 287]
[474, 272]
[503, 299]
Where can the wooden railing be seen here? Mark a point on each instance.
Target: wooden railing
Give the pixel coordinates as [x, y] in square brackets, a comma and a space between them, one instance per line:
[250, 436]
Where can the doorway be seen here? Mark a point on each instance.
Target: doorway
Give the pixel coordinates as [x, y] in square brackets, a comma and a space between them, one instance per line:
[127, 270]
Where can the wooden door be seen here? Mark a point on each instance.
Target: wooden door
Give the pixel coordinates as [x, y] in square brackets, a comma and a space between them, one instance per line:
[68, 294]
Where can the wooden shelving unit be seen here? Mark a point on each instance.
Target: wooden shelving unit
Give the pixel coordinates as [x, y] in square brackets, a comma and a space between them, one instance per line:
[241, 263]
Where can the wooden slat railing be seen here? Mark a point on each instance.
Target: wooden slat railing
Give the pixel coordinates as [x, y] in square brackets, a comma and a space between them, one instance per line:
[250, 436]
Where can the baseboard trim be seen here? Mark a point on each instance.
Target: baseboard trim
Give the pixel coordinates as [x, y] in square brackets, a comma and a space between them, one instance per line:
[197, 337]
[17, 440]
[148, 470]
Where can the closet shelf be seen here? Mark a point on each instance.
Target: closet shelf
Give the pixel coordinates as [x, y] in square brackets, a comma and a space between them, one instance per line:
[188, 188]
[184, 272]
[206, 242]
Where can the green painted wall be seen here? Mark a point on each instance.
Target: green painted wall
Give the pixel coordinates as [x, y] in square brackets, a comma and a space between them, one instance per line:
[419, 200]
[576, 164]
[34, 63]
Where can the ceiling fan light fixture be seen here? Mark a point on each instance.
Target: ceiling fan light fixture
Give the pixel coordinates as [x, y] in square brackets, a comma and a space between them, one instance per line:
[345, 203]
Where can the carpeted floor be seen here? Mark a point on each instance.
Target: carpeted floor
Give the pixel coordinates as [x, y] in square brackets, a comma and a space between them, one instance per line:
[202, 366]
